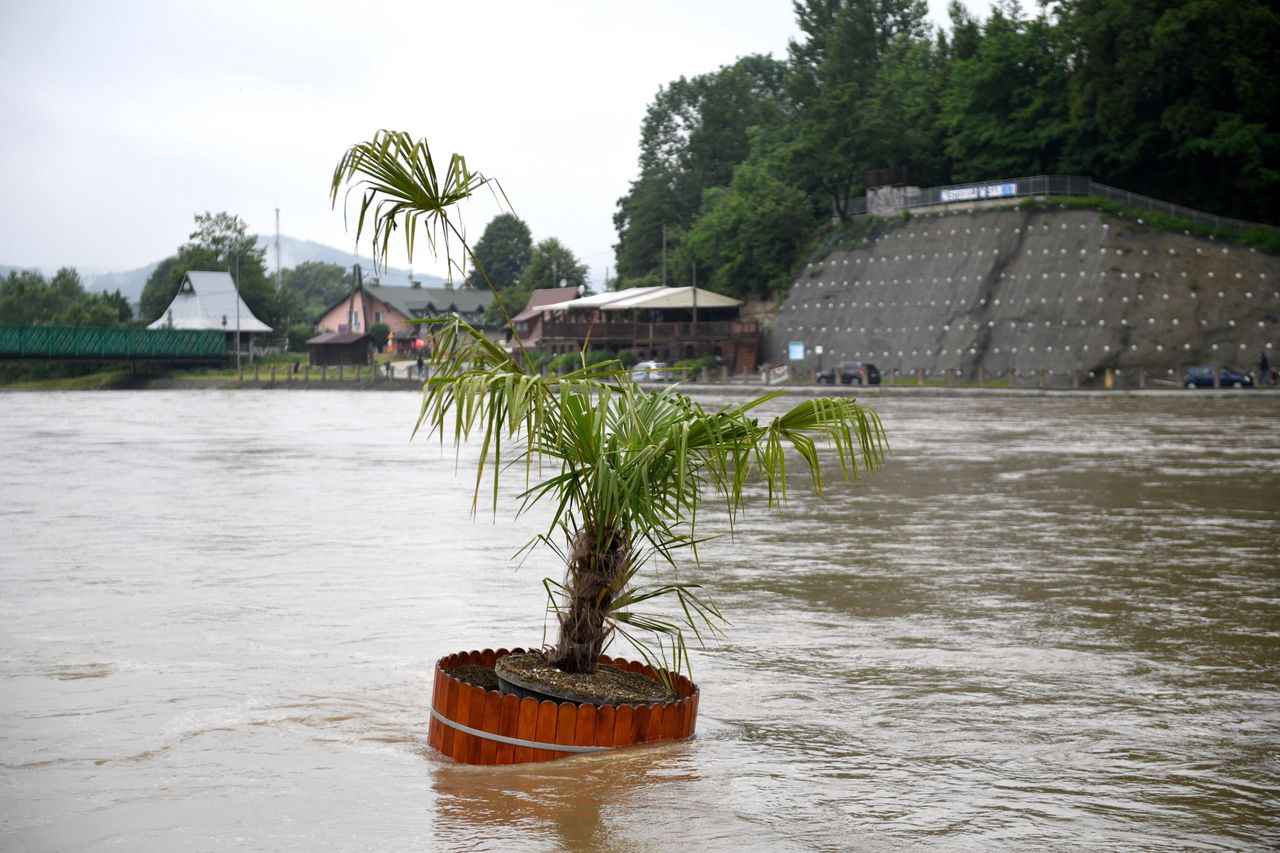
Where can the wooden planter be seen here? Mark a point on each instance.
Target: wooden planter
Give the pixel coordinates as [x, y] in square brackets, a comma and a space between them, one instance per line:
[475, 726]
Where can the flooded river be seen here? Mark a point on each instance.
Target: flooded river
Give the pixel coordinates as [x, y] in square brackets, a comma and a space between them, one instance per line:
[1048, 623]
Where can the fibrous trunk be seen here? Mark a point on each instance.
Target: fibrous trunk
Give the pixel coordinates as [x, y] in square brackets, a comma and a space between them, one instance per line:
[597, 564]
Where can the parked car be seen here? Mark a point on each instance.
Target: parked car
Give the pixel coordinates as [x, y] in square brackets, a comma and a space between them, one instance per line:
[650, 371]
[1202, 377]
[851, 372]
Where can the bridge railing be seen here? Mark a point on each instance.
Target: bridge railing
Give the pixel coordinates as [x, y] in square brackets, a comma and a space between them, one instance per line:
[98, 342]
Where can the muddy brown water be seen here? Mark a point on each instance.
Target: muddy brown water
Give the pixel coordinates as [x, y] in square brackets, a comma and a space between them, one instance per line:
[1048, 623]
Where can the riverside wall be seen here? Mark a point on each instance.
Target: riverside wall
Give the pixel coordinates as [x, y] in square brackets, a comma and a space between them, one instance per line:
[1029, 291]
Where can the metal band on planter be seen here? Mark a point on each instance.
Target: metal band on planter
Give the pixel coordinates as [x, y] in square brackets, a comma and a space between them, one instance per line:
[515, 741]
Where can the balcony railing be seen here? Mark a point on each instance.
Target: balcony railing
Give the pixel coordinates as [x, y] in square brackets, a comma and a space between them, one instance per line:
[627, 332]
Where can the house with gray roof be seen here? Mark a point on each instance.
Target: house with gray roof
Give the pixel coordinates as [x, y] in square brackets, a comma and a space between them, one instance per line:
[397, 307]
[209, 300]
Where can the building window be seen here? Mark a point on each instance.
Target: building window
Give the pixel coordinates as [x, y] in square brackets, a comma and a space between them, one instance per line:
[377, 316]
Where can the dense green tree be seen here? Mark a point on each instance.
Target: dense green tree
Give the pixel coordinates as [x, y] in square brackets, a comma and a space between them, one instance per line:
[693, 136]
[1169, 98]
[27, 299]
[552, 264]
[832, 81]
[503, 251]
[1006, 113]
[748, 236]
[1178, 99]
[311, 287]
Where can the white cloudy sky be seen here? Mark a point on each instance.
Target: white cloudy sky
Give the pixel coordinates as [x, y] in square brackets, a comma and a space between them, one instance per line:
[120, 120]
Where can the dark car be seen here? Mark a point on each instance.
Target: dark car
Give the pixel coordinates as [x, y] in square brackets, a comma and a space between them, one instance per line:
[1202, 377]
[851, 372]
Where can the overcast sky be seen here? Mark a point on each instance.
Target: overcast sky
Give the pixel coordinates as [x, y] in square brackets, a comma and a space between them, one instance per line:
[121, 120]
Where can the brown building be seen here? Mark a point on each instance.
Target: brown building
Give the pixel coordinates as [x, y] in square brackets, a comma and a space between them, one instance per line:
[653, 323]
[333, 348]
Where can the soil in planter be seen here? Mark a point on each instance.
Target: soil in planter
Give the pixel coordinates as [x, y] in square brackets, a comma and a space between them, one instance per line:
[608, 685]
[476, 675]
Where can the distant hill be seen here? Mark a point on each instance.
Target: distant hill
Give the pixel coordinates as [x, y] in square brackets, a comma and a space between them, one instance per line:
[292, 252]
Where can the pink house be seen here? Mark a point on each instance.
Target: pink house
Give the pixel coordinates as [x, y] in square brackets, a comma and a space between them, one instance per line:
[397, 307]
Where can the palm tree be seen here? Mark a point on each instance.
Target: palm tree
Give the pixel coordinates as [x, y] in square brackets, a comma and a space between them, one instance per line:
[624, 469]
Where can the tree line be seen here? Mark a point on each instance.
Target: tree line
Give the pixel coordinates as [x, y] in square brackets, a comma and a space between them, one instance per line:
[505, 253]
[740, 168]
[27, 298]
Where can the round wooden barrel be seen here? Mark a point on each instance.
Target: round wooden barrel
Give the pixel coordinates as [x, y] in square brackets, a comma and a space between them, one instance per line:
[477, 726]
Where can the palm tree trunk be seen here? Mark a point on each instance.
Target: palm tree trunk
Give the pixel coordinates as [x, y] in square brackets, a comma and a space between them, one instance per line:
[596, 566]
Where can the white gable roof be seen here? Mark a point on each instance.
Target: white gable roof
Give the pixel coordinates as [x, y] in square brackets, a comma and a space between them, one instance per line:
[203, 300]
[648, 297]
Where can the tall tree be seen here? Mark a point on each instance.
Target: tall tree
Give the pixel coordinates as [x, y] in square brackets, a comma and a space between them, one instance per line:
[693, 136]
[552, 264]
[1177, 99]
[1006, 113]
[748, 235]
[832, 84]
[503, 251]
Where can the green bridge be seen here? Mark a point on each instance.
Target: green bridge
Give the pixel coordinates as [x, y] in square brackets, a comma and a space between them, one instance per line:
[96, 343]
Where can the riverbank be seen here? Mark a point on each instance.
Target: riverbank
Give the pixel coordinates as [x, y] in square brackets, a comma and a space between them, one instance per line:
[739, 390]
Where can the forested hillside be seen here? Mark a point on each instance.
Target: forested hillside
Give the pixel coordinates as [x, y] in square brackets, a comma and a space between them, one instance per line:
[740, 167]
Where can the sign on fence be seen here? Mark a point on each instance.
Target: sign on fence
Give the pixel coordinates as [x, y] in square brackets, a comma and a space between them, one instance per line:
[979, 192]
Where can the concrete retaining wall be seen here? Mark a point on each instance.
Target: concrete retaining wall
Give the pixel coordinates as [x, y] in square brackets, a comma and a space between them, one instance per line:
[1033, 290]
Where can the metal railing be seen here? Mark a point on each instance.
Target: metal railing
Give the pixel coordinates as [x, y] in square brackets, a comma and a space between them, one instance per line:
[97, 342]
[1056, 185]
[638, 331]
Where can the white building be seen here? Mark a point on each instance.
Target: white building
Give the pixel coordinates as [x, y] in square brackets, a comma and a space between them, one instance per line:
[208, 300]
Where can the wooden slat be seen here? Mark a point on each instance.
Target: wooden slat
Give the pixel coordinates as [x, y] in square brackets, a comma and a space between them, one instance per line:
[639, 723]
[622, 725]
[653, 730]
[670, 721]
[526, 729]
[604, 726]
[584, 732]
[566, 725]
[475, 719]
[437, 704]
[473, 657]
[486, 657]
[448, 707]
[459, 712]
[546, 732]
[508, 724]
[492, 720]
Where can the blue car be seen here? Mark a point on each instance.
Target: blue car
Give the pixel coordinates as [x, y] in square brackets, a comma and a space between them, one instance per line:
[1202, 377]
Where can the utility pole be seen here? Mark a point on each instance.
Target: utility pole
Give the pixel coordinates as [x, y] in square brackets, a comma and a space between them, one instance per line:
[695, 302]
[279, 286]
[236, 282]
